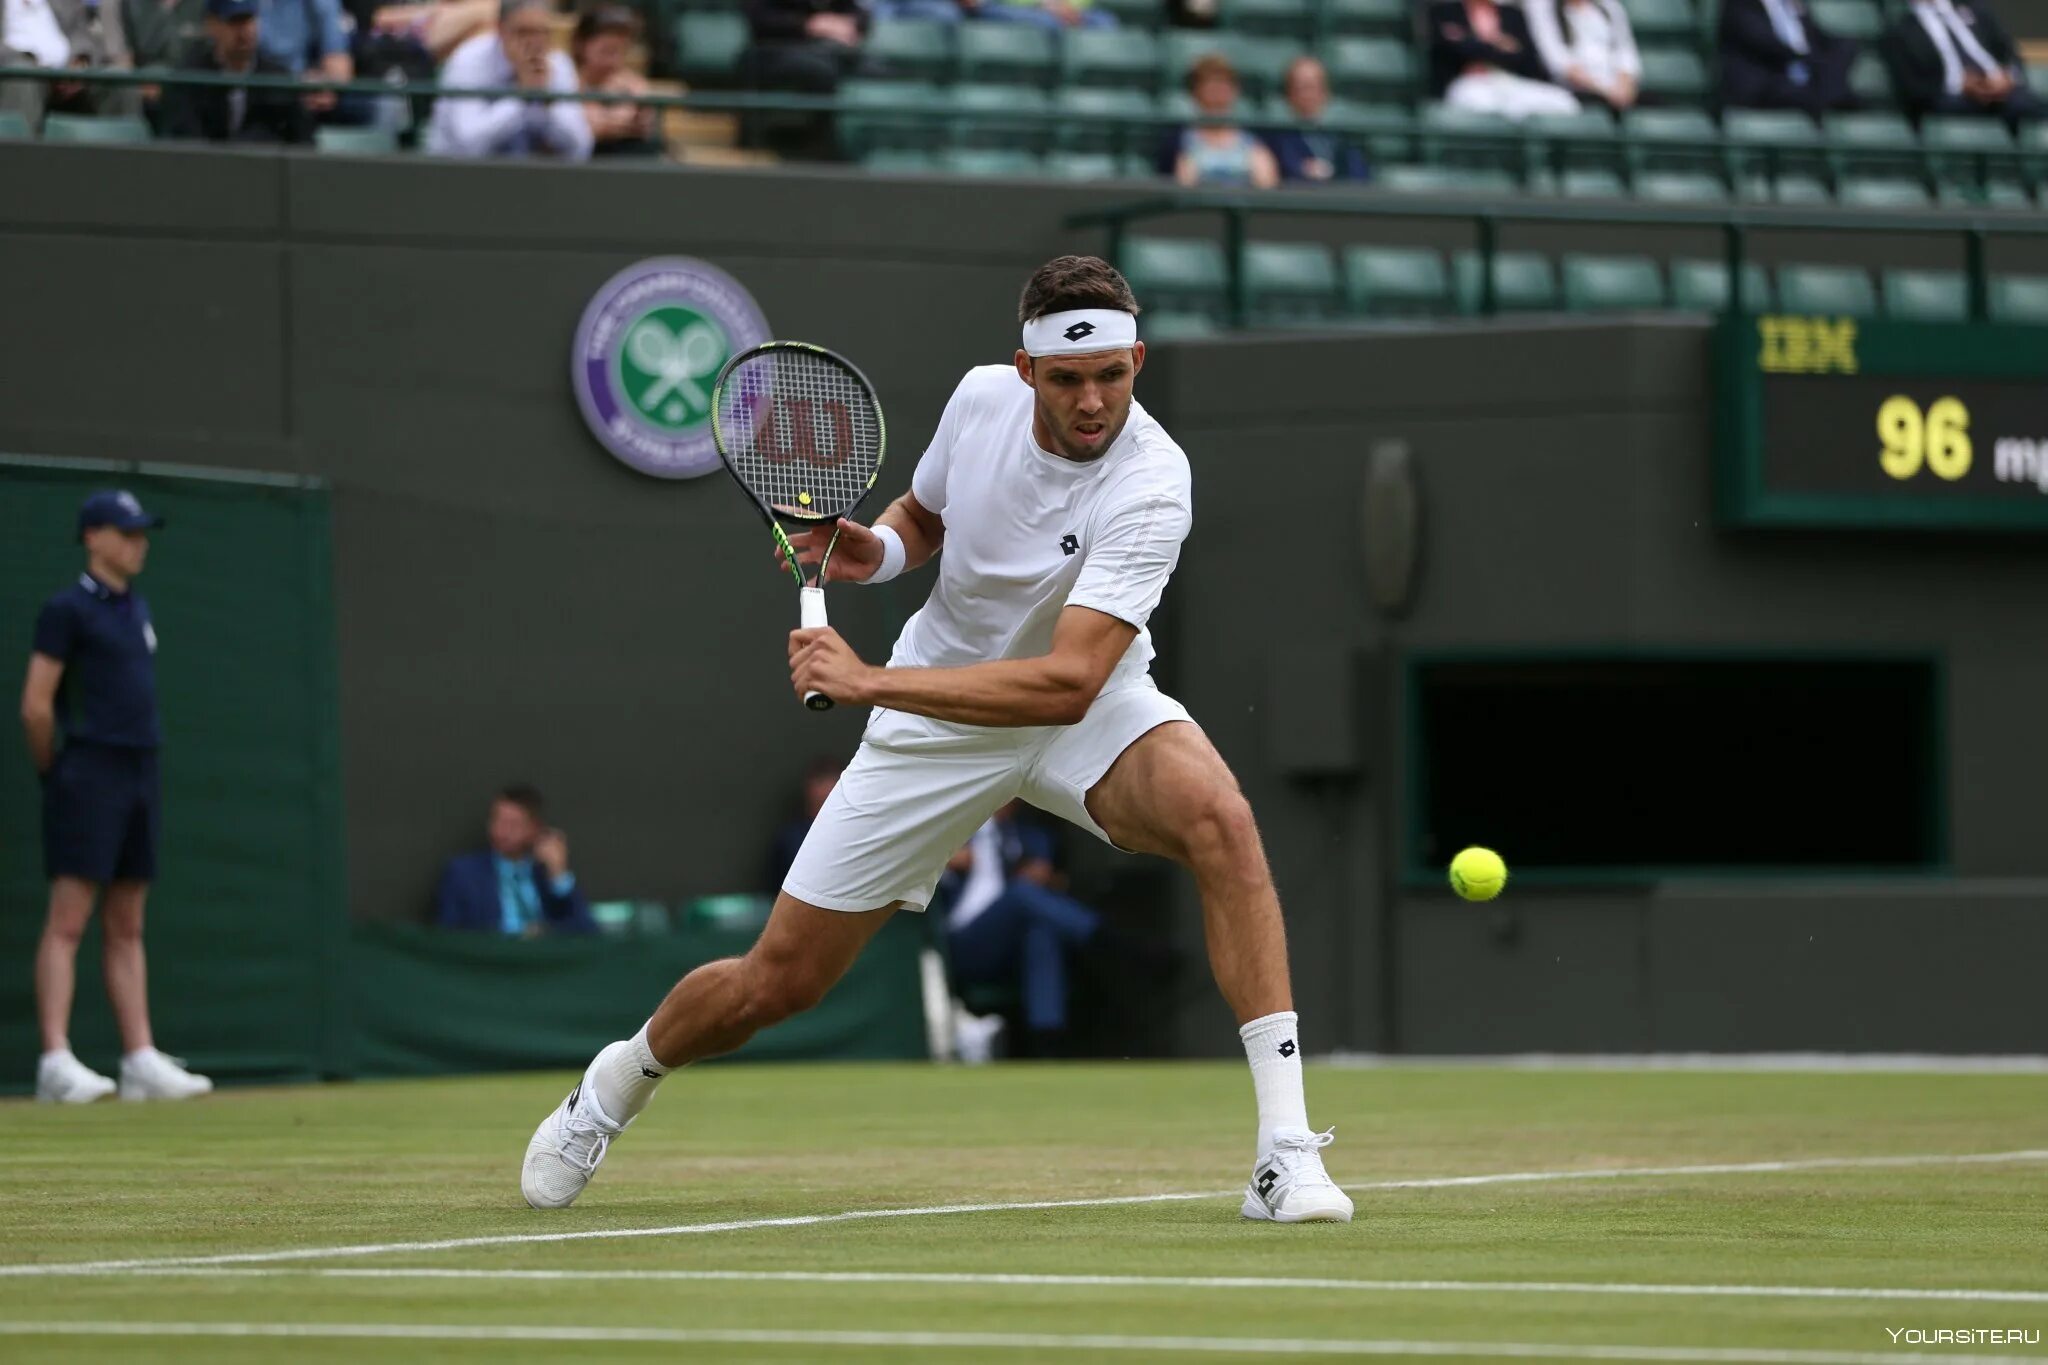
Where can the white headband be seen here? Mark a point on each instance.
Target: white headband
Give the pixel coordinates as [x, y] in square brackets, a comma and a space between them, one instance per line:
[1080, 332]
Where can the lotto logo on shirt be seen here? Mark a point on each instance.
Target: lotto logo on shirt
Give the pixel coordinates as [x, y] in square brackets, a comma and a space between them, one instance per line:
[651, 342]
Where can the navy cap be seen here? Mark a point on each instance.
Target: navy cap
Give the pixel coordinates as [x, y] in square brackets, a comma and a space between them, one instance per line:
[230, 9]
[115, 507]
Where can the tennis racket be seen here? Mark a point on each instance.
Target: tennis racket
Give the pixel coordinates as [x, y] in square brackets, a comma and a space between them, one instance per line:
[799, 429]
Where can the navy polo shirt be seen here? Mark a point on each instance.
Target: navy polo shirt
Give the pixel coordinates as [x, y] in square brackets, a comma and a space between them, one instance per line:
[107, 646]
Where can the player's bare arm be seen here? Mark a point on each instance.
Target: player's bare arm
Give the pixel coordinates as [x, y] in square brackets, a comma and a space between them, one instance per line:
[1056, 688]
[860, 549]
[39, 709]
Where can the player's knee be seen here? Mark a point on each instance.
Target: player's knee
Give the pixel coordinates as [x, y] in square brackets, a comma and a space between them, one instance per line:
[1220, 832]
[778, 990]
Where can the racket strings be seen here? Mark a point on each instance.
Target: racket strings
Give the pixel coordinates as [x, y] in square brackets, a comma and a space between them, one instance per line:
[801, 431]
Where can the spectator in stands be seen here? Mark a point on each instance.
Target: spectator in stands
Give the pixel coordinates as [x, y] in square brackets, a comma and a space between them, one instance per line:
[438, 26]
[1220, 153]
[1954, 57]
[603, 41]
[805, 45]
[151, 32]
[930, 11]
[1483, 58]
[1008, 921]
[1305, 152]
[1048, 14]
[1588, 47]
[519, 53]
[521, 885]
[308, 38]
[233, 113]
[819, 779]
[52, 34]
[1773, 56]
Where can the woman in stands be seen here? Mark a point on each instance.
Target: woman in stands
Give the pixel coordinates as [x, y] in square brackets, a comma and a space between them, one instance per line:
[602, 44]
[1220, 154]
[1589, 48]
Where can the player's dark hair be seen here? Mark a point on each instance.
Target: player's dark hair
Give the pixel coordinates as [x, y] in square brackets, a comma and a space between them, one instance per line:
[524, 795]
[1068, 282]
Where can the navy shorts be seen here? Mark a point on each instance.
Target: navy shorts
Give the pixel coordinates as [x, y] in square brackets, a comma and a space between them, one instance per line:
[101, 814]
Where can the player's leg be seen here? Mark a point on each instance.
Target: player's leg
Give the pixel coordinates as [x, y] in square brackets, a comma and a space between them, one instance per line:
[59, 1074]
[122, 962]
[1141, 774]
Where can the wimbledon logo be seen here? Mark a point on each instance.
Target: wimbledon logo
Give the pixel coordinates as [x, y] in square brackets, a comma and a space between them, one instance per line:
[649, 345]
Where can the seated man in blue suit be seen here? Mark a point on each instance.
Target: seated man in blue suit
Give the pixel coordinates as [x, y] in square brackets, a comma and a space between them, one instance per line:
[521, 885]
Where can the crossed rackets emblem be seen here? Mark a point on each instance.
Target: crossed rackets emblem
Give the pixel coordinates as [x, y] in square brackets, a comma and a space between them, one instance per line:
[676, 360]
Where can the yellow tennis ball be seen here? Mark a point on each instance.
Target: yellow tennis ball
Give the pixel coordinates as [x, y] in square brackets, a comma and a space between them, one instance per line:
[1478, 874]
[804, 498]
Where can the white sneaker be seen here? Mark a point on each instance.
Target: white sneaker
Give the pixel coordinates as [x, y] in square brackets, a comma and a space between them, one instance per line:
[1289, 1184]
[567, 1146]
[62, 1079]
[153, 1075]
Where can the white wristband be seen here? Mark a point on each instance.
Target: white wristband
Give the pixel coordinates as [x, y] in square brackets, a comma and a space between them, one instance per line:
[892, 555]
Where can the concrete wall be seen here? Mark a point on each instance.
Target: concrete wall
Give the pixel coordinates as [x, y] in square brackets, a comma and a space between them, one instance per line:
[512, 601]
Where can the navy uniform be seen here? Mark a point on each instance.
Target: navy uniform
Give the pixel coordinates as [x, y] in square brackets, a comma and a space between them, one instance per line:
[101, 812]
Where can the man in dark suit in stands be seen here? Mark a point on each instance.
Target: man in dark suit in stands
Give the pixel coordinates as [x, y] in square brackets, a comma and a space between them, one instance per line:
[1773, 56]
[521, 885]
[1954, 57]
[232, 113]
[1482, 58]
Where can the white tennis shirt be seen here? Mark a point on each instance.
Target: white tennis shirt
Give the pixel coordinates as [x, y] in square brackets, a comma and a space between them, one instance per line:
[1030, 533]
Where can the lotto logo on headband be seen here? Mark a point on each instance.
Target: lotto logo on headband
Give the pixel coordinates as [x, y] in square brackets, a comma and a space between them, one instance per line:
[1080, 331]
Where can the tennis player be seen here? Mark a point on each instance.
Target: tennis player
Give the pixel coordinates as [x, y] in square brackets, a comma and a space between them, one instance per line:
[1061, 506]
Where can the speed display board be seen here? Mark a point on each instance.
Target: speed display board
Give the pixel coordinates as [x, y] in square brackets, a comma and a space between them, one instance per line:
[1844, 422]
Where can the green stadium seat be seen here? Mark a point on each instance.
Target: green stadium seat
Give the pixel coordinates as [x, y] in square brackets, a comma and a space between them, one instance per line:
[1681, 187]
[1772, 142]
[1662, 20]
[1862, 20]
[1395, 281]
[1342, 18]
[999, 52]
[710, 45]
[1997, 194]
[2037, 79]
[1083, 166]
[1289, 283]
[1871, 82]
[356, 141]
[84, 128]
[1175, 326]
[1591, 182]
[989, 161]
[1295, 19]
[1370, 68]
[1586, 139]
[1926, 295]
[1874, 192]
[1973, 153]
[1523, 281]
[1800, 189]
[906, 47]
[1260, 61]
[1111, 57]
[1829, 290]
[1175, 274]
[1451, 136]
[901, 161]
[1145, 16]
[1872, 143]
[889, 116]
[1105, 120]
[13, 127]
[1673, 75]
[1672, 140]
[2020, 298]
[1444, 180]
[982, 115]
[1609, 284]
[1702, 286]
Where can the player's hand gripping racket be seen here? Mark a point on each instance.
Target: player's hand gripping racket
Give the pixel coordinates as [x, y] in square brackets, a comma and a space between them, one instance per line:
[800, 430]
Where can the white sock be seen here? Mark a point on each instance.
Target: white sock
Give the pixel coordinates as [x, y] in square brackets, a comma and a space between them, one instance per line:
[1274, 1050]
[626, 1076]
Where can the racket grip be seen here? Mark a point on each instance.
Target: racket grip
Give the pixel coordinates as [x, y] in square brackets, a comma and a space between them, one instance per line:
[811, 616]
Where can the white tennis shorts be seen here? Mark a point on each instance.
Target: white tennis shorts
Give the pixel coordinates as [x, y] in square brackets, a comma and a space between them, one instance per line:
[918, 788]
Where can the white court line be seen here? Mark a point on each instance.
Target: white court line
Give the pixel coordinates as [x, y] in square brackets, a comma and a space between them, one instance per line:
[860, 1215]
[1039, 1341]
[1263, 1284]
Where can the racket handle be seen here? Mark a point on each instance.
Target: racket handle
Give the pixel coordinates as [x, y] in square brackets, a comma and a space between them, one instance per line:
[811, 616]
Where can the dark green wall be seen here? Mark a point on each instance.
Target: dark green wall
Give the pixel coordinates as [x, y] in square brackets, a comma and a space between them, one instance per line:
[510, 600]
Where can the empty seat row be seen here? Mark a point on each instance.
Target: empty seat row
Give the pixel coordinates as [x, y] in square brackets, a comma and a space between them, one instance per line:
[1290, 283]
[113, 130]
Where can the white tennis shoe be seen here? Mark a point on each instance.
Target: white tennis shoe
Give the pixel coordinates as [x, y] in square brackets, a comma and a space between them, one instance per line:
[568, 1146]
[62, 1079]
[153, 1075]
[1289, 1184]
